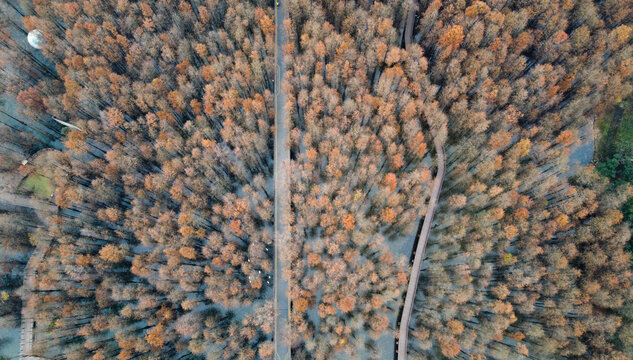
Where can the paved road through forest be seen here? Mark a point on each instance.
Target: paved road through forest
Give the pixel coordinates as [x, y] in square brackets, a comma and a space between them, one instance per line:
[282, 203]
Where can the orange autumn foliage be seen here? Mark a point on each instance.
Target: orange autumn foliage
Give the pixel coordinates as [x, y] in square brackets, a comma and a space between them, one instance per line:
[349, 222]
[456, 326]
[155, 336]
[314, 259]
[511, 232]
[390, 181]
[301, 304]
[565, 138]
[346, 304]
[521, 213]
[388, 215]
[452, 37]
[376, 301]
[187, 252]
[449, 349]
[112, 253]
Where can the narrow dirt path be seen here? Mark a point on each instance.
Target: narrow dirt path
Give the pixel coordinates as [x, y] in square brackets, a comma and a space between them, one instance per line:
[27, 202]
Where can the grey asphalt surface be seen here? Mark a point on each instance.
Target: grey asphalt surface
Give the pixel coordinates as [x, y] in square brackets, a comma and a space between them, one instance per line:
[282, 197]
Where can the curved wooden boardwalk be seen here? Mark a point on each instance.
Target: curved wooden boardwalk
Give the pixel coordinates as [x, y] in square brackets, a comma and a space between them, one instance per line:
[423, 236]
[28, 283]
[28, 312]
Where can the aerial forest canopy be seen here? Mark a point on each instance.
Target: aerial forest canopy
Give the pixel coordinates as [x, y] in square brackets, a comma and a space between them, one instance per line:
[162, 246]
[166, 212]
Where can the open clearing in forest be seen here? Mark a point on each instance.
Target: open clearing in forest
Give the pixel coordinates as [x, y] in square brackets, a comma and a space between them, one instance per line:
[37, 184]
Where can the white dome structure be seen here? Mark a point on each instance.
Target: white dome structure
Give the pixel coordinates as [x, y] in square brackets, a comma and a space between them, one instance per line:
[35, 38]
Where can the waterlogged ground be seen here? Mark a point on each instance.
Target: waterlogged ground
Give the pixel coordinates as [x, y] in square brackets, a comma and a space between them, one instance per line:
[10, 342]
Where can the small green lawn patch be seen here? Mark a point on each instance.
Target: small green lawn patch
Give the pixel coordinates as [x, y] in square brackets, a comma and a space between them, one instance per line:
[39, 185]
[616, 130]
[614, 157]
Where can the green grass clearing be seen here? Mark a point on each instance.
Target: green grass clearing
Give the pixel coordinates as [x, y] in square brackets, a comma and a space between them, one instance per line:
[39, 185]
[616, 130]
[614, 157]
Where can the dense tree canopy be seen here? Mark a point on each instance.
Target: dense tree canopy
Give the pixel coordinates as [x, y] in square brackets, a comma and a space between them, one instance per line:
[524, 262]
[162, 247]
[163, 186]
[358, 145]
